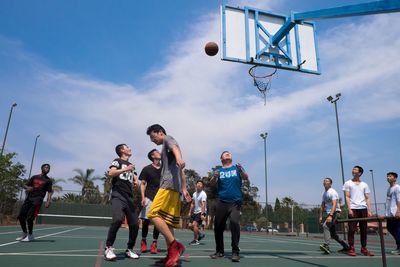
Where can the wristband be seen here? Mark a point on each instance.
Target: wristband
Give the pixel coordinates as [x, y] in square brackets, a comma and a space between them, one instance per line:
[330, 215]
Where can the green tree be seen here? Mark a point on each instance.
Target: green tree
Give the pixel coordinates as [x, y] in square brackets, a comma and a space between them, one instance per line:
[10, 182]
[86, 181]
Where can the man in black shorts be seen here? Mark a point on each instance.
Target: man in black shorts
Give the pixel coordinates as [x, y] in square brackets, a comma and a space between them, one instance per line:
[150, 182]
[36, 189]
[197, 212]
[123, 180]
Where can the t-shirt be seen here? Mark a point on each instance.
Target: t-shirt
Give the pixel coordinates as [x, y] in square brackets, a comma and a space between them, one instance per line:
[123, 183]
[327, 198]
[151, 175]
[41, 184]
[198, 198]
[229, 185]
[393, 197]
[357, 194]
[170, 174]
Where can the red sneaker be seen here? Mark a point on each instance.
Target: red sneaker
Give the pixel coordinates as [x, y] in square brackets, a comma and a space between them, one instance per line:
[143, 246]
[175, 250]
[366, 252]
[352, 252]
[162, 261]
[153, 248]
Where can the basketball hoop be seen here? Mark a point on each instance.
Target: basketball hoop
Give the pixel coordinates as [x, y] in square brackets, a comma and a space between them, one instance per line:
[261, 81]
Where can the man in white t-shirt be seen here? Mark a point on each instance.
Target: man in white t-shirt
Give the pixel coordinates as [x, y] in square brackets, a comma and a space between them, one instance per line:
[198, 212]
[393, 209]
[330, 205]
[359, 205]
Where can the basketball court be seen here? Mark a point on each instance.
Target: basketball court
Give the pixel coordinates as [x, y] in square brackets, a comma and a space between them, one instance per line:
[83, 246]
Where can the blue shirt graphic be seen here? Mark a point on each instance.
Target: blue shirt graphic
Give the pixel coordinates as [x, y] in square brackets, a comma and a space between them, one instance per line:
[229, 185]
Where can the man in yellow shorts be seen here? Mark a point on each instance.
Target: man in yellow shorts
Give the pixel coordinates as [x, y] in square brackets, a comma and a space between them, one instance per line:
[166, 208]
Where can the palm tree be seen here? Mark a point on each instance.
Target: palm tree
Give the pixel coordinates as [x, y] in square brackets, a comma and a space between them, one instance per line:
[56, 187]
[85, 180]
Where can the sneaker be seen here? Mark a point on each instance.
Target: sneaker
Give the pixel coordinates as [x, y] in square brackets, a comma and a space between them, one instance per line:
[217, 255]
[351, 252]
[175, 250]
[201, 236]
[395, 252]
[235, 257]
[153, 248]
[366, 252]
[129, 253]
[28, 238]
[21, 237]
[109, 254]
[143, 246]
[194, 243]
[325, 248]
[161, 262]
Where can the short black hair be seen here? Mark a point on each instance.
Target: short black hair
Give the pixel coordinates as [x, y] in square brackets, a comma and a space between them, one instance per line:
[45, 164]
[118, 149]
[149, 155]
[200, 181]
[155, 128]
[392, 173]
[226, 151]
[330, 180]
[359, 168]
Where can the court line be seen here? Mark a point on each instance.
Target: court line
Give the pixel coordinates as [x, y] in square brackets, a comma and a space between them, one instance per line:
[38, 229]
[66, 231]
[99, 258]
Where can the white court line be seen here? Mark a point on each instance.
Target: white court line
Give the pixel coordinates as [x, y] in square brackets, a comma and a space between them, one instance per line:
[207, 257]
[36, 229]
[66, 231]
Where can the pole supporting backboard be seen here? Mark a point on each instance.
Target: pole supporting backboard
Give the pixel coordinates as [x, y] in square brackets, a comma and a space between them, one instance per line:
[247, 38]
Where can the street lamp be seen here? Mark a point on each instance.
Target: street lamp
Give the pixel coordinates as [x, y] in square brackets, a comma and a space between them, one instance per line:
[33, 155]
[373, 188]
[333, 101]
[8, 124]
[264, 137]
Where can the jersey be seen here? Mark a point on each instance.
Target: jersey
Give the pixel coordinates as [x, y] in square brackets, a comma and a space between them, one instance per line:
[229, 185]
[170, 174]
[41, 184]
[198, 198]
[357, 194]
[151, 175]
[327, 198]
[123, 183]
[392, 198]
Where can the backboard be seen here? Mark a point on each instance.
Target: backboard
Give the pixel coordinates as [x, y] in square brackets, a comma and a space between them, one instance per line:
[246, 37]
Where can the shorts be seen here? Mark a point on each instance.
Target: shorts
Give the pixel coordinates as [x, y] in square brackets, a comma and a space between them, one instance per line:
[167, 206]
[196, 218]
[145, 210]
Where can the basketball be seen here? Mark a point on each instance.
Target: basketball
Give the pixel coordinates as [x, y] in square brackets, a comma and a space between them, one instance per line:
[211, 48]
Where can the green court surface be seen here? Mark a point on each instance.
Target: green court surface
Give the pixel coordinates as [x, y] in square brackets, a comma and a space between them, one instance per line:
[75, 246]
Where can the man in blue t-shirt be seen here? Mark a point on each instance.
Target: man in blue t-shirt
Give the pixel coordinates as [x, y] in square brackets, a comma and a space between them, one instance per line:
[229, 179]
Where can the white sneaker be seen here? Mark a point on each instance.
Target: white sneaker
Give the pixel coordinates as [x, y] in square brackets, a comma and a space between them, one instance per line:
[21, 237]
[109, 254]
[28, 238]
[131, 254]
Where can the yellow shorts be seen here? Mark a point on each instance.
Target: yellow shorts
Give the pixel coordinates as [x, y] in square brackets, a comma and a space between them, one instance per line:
[167, 206]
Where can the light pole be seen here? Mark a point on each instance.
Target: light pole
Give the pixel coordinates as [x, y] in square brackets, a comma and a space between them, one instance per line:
[373, 188]
[264, 137]
[333, 101]
[8, 124]
[33, 155]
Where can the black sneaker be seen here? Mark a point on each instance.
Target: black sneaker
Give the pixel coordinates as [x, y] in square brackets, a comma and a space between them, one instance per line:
[325, 248]
[217, 255]
[201, 236]
[235, 257]
[343, 250]
[194, 243]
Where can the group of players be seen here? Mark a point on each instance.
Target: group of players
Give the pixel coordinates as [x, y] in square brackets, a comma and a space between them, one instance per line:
[163, 183]
[359, 206]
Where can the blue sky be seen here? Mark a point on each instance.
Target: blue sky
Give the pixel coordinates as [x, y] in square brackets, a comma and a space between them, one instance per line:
[88, 75]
